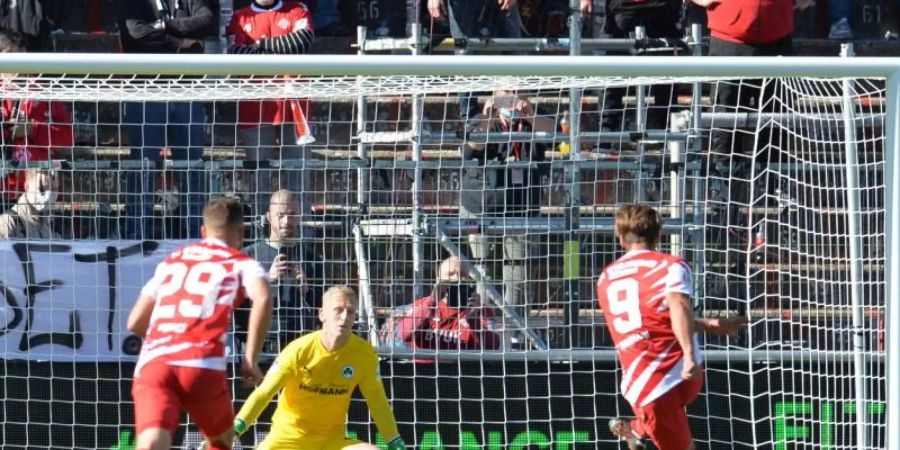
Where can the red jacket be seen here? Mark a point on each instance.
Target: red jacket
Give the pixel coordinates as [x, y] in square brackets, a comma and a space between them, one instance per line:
[432, 325]
[249, 25]
[51, 131]
[751, 21]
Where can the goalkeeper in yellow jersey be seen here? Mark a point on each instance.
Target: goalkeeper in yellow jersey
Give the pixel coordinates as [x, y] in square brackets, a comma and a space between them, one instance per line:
[316, 376]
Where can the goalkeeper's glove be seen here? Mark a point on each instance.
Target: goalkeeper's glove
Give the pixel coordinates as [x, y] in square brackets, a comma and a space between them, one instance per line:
[396, 444]
[240, 427]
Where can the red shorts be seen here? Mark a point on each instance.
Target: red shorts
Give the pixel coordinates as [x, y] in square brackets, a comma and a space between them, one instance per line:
[161, 391]
[665, 419]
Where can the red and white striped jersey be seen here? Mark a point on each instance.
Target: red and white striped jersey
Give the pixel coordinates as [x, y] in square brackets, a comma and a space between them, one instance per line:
[253, 23]
[196, 288]
[632, 294]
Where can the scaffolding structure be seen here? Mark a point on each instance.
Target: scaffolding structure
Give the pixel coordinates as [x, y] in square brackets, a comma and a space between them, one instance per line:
[683, 140]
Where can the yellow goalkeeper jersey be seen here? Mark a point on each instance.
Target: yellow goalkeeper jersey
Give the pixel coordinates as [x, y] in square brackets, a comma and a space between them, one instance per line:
[316, 386]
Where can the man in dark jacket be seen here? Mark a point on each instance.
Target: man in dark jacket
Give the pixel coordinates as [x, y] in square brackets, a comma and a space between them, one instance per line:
[502, 185]
[295, 274]
[33, 19]
[165, 26]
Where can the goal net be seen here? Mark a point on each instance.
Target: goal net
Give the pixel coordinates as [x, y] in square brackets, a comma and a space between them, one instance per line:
[774, 196]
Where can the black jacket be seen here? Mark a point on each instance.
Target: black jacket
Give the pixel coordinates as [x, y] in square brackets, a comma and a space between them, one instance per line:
[295, 313]
[33, 19]
[187, 24]
[521, 186]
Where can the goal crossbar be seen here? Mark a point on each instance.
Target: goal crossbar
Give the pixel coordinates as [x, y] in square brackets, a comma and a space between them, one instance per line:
[445, 65]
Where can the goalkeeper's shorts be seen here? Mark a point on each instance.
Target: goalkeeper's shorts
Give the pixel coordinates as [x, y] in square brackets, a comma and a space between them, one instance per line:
[161, 391]
[665, 420]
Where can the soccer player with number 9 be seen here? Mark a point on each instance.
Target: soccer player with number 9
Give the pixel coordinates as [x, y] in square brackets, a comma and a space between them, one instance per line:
[646, 299]
[183, 314]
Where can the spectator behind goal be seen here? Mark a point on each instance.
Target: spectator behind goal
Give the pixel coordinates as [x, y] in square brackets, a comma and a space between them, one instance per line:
[477, 19]
[738, 29]
[274, 129]
[33, 130]
[506, 182]
[33, 20]
[294, 273]
[450, 318]
[30, 217]
[660, 19]
[164, 26]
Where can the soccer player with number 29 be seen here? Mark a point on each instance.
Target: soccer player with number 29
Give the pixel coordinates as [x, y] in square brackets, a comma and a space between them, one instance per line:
[183, 314]
[646, 299]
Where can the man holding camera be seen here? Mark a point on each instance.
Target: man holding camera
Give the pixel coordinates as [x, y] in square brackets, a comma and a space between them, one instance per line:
[451, 318]
[506, 181]
[292, 268]
[508, 190]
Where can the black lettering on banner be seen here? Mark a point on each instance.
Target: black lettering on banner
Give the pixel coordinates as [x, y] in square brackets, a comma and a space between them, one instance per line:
[145, 248]
[14, 306]
[73, 338]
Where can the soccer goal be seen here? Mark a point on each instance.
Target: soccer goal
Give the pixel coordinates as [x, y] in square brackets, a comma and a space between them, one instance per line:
[774, 179]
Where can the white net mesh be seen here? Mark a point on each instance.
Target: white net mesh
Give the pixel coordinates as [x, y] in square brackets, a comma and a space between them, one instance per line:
[754, 197]
[781, 249]
[211, 88]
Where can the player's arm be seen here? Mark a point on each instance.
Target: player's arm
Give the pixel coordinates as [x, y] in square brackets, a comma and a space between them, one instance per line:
[373, 390]
[679, 288]
[294, 43]
[257, 289]
[142, 311]
[720, 326]
[297, 42]
[263, 394]
[139, 318]
[682, 316]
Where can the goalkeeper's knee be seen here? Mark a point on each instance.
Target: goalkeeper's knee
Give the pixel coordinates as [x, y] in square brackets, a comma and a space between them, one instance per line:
[396, 444]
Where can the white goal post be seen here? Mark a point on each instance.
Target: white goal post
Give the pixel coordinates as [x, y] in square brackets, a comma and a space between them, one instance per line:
[820, 364]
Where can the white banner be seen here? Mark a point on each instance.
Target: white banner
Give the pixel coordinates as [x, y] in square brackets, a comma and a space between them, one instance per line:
[69, 301]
